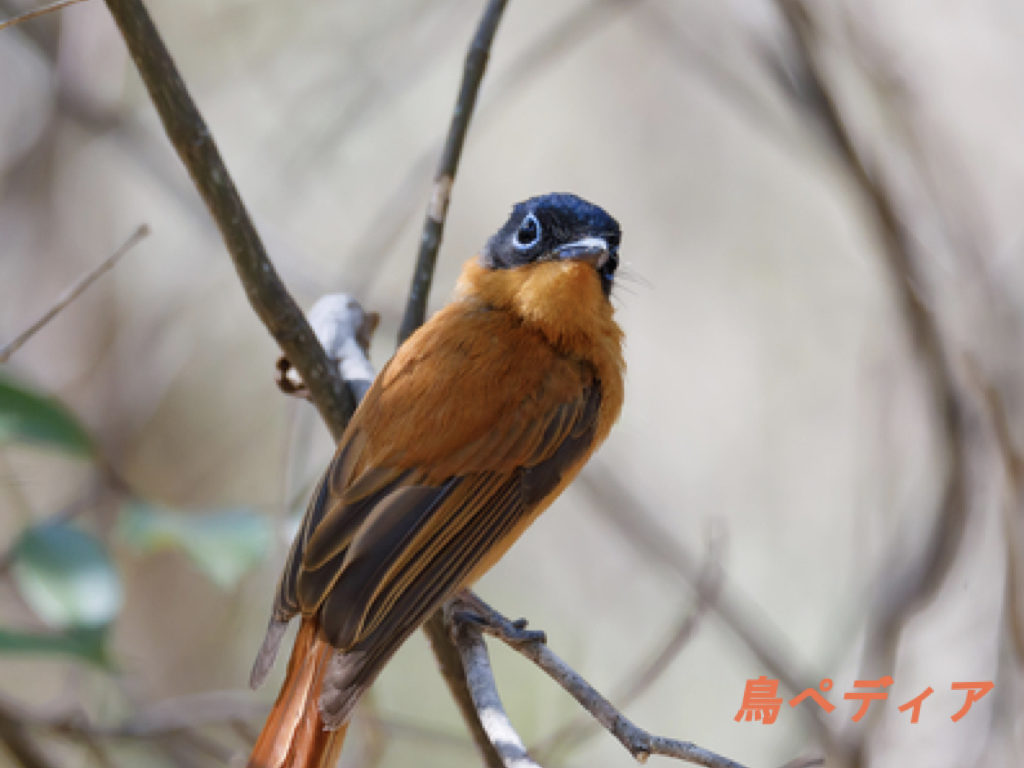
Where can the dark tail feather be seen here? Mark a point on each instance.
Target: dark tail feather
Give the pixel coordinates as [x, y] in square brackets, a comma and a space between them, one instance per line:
[294, 735]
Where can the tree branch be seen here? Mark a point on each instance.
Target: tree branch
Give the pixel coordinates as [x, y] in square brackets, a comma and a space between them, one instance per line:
[416, 310]
[907, 583]
[195, 146]
[467, 633]
[437, 210]
[453, 669]
[285, 321]
[917, 582]
[637, 681]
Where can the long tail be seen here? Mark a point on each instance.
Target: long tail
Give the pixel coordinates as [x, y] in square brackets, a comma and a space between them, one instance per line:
[294, 735]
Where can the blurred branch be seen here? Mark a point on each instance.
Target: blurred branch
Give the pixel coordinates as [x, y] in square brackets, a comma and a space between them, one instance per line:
[437, 210]
[909, 582]
[395, 211]
[1013, 468]
[14, 735]
[698, 54]
[28, 15]
[195, 146]
[905, 594]
[467, 629]
[73, 293]
[708, 586]
[636, 525]
[175, 723]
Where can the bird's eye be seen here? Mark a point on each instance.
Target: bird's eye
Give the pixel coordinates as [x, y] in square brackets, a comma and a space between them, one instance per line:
[528, 234]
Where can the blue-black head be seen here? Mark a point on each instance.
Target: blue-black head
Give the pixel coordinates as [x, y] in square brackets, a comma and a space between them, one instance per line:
[556, 227]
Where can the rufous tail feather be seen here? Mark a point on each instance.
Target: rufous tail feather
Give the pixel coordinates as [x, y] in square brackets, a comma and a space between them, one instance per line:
[294, 735]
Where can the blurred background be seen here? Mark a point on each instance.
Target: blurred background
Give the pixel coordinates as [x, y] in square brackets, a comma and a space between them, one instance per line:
[816, 474]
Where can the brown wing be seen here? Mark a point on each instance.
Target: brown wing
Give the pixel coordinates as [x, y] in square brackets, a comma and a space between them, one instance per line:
[386, 539]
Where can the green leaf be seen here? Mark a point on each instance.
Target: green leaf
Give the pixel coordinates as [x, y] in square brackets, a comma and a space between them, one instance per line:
[86, 643]
[29, 416]
[66, 576]
[223, 543]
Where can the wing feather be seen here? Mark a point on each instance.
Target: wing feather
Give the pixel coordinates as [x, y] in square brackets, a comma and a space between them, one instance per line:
[389, 533]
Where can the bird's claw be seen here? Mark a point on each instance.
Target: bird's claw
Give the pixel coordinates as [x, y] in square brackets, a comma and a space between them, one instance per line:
[470, 609]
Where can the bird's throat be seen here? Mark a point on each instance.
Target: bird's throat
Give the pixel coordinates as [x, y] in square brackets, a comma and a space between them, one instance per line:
[563, 300]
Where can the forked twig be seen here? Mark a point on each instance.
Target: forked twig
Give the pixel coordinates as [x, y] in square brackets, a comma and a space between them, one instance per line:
[467, 632]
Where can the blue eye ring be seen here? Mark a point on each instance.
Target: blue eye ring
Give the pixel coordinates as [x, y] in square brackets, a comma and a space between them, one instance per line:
[528, 234]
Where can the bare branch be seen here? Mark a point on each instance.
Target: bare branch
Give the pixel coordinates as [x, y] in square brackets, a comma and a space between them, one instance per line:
[28, 15]
[195, 146]
[637, 525]
[707, 587]
[416, 309]
[484, 691]
[437, 210]
[179, 719]
[1013, 467]
[467, 634]
[73, 293]
[397, 208]
[344, 329]
[917, 582]
[453, 670]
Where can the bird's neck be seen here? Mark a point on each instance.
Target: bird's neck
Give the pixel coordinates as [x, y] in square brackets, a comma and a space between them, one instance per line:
[563, 301]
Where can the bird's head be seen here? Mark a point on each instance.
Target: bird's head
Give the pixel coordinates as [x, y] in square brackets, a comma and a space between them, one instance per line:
[556, 228]
[552, 265]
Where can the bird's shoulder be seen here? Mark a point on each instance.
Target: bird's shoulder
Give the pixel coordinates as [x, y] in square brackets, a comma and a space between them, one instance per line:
[463, 390]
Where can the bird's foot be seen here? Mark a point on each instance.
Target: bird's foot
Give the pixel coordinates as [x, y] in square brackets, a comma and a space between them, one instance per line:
[467, 608]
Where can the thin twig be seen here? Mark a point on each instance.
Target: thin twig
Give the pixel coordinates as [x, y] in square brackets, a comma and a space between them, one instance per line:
[195, 146]
[539, 56]
[638, 742]
[73, 292]
[28, 15]
[437, 210]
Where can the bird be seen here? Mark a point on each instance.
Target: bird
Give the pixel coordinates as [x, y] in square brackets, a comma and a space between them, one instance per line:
[479, 421]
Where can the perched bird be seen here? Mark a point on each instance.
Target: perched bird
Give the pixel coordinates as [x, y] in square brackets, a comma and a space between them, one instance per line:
[478, 422]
